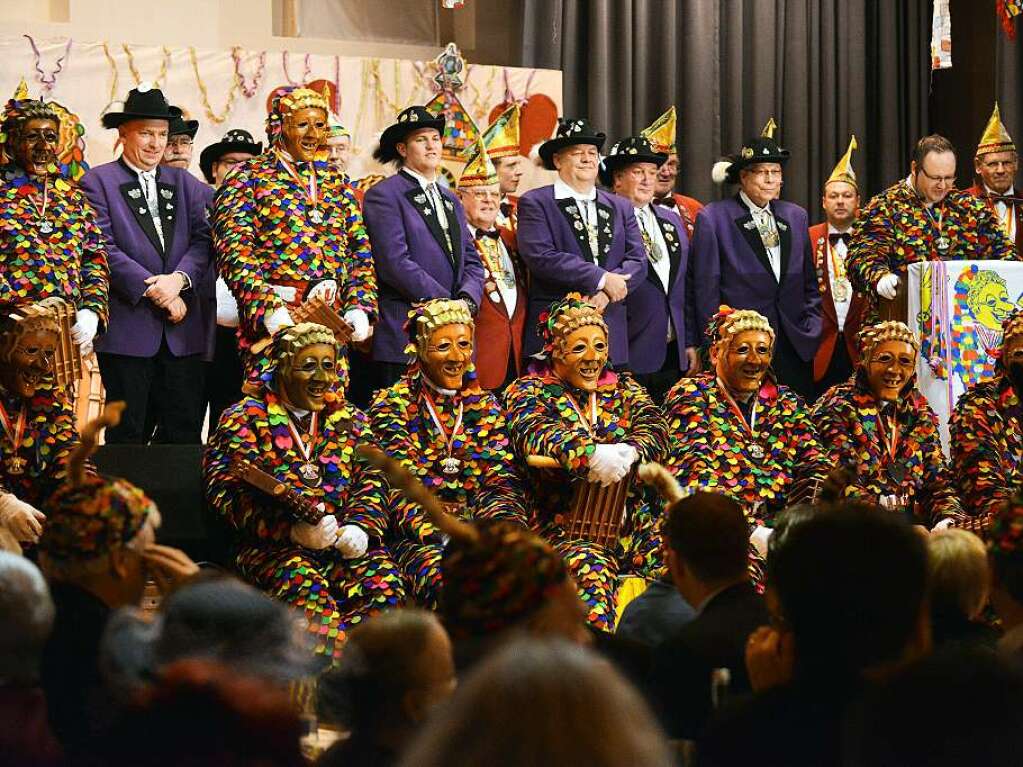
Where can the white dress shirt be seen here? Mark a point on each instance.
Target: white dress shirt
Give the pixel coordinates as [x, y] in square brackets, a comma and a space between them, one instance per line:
[647, 220]
[509, 295]
[586, 202]
[839, 251]
[763, 217]
[436, 198]
[147, 180]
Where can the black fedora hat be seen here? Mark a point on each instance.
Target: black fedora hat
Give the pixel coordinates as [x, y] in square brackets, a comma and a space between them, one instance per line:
[411, 119]
[753, 151]
[235, 140]
[569, 133]
[629, 150]
[143, 103]
[181, 127]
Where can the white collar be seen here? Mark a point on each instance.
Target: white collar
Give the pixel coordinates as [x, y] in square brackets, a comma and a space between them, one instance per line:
[1010, 192]
[909, 183]
[139, 171]
[563, 191]
[436, 388]
[295, 410]
[423, 180]
[833, 230]
[753, 207]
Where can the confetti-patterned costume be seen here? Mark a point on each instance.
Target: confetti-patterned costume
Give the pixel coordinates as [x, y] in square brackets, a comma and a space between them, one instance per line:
[895, 230]
[986, 430]
[265, 236]
[70, 262]
[486, 486]
[711, 448]
[50, 435]
[333, 592]
[846, 417]
[543, 421]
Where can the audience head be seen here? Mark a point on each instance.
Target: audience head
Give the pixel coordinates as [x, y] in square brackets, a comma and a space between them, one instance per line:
[899, 724]
[959, 576]
[442, 338]
[305, 373]
[575, 341]
[742, 346]
[26, 614]
[995, 161]
[542, 703]
[395, 669]
[933, 168]
[851, 585]
[706, 538]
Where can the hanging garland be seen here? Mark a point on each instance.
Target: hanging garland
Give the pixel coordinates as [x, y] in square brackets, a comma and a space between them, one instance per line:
[248, 90]
[113, 81]
[135, 72]
[47, 81]
[287, 75]
[232, 94]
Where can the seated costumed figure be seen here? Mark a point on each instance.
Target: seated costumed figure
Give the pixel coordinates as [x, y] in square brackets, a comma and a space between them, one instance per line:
[583, 429]
[38, 364]
[310, 515]
[881, 429]
[450, 433]
[736, 431]
[986, 431]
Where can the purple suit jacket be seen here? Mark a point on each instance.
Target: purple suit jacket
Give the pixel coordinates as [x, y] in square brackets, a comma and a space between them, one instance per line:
[411, 258]
[557, 252]
[730, 266]
[648, 306]
[137, 327]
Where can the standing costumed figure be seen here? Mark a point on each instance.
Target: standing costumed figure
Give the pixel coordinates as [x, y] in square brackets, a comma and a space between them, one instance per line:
[736, 431]
[881, 429]
[450, 434]
[50, 244]
[287, 228]
[36, 413]
[310, 515]
[986, 434]
[583, 429]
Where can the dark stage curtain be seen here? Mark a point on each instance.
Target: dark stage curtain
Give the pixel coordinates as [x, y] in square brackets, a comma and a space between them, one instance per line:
[822, 68]
[1009, 81]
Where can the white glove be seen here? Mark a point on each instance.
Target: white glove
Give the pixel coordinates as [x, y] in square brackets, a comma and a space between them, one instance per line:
[759, 538]
[227, 306]
[325, 289]
[84, 330]
[316, 537]
[285, 292]
[887, 285]
[352, 541]
[359, 321]
[23, 520]
[278, 319]
[944, 524]
[607, 465]
[627, 453]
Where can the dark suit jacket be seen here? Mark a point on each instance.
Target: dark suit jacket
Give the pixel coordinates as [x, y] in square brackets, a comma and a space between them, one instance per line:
[715, 638]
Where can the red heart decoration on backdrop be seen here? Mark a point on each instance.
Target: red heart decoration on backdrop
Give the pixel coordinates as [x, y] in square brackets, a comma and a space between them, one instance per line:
[537, 120]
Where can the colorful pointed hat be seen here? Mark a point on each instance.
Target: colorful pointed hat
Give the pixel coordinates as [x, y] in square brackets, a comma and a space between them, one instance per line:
[995, 138]
[661, 132]
[501, 137]
[844, 170]
[769, 129]
[479, 171]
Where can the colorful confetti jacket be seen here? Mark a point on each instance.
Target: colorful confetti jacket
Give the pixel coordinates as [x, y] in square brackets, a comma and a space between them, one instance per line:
[987, 446]
[256, 429]
[70, 262]
[487, 484]
[846, 417]
[710, 448]
[49, 437]
[264, 235]
[895, 230]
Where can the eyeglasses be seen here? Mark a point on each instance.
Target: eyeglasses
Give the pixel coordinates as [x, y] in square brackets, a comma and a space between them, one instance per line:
[486, 194]
[766, 173]
[938, 179]
[179, 141]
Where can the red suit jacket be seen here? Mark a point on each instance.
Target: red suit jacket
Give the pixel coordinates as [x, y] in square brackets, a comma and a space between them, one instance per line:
[978, 191]
[829, 319]
[498, 336]
[687, 208]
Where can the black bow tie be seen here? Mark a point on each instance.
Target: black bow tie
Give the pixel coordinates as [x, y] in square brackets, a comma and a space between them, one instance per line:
[667, 202]
[506, 208]
[492, 233]
[836, 237]
[1004, 198]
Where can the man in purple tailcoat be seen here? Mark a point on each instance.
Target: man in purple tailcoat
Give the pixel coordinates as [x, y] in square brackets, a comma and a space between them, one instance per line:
[154, 225]
[575, 237]
[421, 247]
[752, 251]
[662, 334]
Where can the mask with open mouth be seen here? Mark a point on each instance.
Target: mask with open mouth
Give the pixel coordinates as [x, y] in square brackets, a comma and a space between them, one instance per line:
[29, 363]
[311, 373]
[448, 355]
[890, 367]
[581, 356]
[35, 147]
[742, 360]
[303, 132]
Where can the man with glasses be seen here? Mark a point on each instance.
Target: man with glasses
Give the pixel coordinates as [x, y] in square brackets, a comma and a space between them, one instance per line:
[752, 251]
[923, 217]
[502, 313]
[995, 163]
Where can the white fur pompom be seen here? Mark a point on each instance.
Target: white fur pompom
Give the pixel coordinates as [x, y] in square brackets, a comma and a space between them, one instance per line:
[534, 155]
[719, 173]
